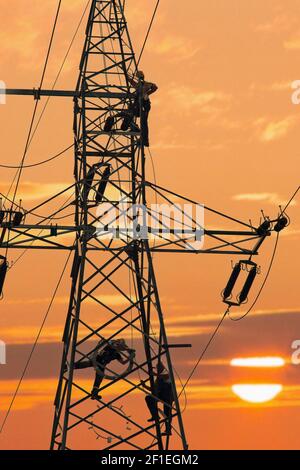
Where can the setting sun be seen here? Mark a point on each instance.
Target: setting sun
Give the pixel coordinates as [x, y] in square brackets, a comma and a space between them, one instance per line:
[257, 393]
[258, 362]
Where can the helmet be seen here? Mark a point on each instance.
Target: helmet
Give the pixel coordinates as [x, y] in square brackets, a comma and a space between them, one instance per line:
[140, 74]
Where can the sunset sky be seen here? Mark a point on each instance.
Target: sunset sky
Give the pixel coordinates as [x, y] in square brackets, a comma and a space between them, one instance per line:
[224, 132]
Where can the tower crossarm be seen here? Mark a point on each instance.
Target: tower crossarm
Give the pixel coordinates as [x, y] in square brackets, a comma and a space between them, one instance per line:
[104, 92]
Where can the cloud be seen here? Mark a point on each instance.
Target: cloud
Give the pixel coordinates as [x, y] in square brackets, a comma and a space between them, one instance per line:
[25, 35]
[33, 393]
[108, 299]
[281, 86]
[22, 41]
[207, 396]
[266, 87]
[291, 233]
[269, 198]
[52, 334]
[277, 24]
[207, 101]
[186, 326]
[172, 145]
[37, 392]
[292, 44]
[274, 130]
[34, 191]
[201, 395]
[176, 48]
[206, 106]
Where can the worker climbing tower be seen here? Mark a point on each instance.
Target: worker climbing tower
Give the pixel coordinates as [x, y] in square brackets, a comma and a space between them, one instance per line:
[114, 292]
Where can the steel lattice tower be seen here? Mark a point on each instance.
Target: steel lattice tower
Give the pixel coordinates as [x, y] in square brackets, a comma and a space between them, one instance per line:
[111, 188]
[115, 159]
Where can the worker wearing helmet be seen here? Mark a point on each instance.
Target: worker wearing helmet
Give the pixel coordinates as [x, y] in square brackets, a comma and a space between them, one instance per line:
[144, 90]
[162, 392]
[139, 108]
[104, 356]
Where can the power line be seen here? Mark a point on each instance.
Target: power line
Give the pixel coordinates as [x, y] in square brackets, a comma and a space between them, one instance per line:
[233, 319]
[51, 216]
[53, 86]
[50, 43]
[204, 350]
[60, 70]
[37, 101]
[20, 170]
[148, 32]
[292, 198]
[42, 162]
[35, 343]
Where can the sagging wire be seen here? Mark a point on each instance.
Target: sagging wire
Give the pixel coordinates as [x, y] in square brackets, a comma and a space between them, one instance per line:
[35, 343]
[39, 216]
[204, 350]
[227, 312]
[53, 86]
[39, 163]
[110, 439]
[60, 70]
[19, 173]
[20, 170]
[98, 435]
[13, 264]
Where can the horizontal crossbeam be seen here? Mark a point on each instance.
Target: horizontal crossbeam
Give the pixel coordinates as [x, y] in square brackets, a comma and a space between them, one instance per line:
[62, 93]
[49, 236]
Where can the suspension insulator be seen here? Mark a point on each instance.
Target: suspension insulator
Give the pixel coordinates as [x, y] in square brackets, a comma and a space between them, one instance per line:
[3, 271]
[89, 181]
[102, 185]
[281, 224]
[232, 280]
[264, 227]
[18, 216]
[248, 284]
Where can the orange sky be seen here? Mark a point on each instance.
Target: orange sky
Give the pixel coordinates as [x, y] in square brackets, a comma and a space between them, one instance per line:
[224, 132]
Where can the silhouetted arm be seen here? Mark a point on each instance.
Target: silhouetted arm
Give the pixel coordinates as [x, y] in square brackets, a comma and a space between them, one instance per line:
[126, 359]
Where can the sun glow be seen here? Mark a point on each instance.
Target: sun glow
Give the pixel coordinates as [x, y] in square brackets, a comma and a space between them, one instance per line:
[257, 393]
[258, 362]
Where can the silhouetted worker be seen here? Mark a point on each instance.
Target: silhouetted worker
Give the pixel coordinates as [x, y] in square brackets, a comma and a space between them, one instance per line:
[140, 108]
[147, 89]
[111, 352]
[162, 392]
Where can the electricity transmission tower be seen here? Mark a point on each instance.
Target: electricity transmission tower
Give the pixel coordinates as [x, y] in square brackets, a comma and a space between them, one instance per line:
[114, 292]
